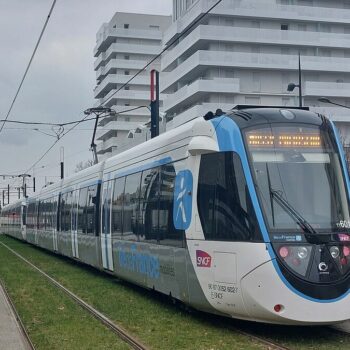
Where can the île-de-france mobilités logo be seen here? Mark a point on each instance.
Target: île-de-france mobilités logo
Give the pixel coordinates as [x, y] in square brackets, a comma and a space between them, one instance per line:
[182, 213]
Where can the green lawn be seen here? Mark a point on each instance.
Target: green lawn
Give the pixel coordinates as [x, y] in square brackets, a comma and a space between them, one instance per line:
[52, 319]
[157, 322]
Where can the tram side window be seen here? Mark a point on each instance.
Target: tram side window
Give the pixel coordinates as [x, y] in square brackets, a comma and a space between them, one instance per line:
[131, 206]
[149, 206]
[91, 210]
[224, 204]
[168, 235]
[30, 214]
[82, 210]
[117, 206]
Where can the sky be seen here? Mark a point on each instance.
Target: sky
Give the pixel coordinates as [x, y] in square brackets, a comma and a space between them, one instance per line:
[59, 85]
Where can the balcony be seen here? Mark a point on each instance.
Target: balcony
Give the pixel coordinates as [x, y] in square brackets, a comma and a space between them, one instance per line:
[114, 64]
[107, 146]
[259, 9]
[195, 112]
[125, 48]
[112, 79]
[327, 89]
[189, 93]
[197, 64]
[108, 36]
[116, 126]
[143, 97]
[210, 33]
[337, 114]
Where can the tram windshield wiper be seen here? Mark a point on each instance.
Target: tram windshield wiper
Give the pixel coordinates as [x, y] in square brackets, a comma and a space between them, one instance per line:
[304, 225]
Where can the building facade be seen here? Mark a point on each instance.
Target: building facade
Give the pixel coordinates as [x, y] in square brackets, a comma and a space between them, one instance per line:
[124, 46]
[246, 52]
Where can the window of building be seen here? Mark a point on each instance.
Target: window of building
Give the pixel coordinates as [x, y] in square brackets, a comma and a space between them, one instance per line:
[126, 57]
[224, 203]
[154, 27]
[127, 119]
[117, 206]
[126, 87]
[284, 26]
[126, 72]
[252, 100]
[126, 26]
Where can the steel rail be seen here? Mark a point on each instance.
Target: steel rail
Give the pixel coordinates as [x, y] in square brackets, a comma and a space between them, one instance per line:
[27, 342]
[121, 332]
[271, 345]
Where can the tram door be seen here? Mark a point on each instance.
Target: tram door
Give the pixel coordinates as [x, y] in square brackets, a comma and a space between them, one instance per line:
[74, 229]
[106, 238]
[23, 220]
[55, 219]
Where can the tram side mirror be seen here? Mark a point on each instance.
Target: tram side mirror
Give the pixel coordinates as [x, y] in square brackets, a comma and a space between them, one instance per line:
[201, 145]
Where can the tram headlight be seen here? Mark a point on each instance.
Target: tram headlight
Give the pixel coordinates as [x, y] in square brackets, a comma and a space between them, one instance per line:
[335, 252]
[302, 253]
[284, 252]
[295, 257]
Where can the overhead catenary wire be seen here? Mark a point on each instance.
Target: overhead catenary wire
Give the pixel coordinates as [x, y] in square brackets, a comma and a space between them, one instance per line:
[67, 123]
[29, 64]
[165, 49]
[85, 119]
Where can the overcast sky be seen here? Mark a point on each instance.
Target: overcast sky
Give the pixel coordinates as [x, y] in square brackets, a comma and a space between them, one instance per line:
[59, 85]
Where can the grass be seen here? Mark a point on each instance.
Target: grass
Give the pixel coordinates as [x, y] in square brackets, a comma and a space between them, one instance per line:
[53, 321]
[150, 317]
[161, 325]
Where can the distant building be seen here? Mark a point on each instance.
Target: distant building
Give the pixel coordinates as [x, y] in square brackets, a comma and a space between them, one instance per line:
[123, 46]
[246, 52]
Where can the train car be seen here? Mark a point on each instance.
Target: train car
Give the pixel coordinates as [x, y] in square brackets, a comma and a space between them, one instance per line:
[244, 214]
[13, 219]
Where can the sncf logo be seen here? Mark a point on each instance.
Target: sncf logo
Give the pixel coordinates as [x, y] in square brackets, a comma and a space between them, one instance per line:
[203, 259]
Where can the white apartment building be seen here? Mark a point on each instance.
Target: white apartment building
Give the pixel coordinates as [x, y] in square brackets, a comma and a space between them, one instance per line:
[246, 52]
[123, 46]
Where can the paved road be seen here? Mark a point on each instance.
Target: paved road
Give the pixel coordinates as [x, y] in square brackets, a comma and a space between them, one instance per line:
[11, 337]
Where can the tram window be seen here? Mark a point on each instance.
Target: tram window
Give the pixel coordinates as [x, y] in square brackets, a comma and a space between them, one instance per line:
[131, 206]
[117, 206]
[81, 210]
[149, 205]
[167, 233]
[106, 207]
[224, 203]
[68, 212]
[91, 210]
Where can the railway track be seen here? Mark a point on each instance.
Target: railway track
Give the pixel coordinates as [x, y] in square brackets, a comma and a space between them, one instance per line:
[26, 340]
[118, 330]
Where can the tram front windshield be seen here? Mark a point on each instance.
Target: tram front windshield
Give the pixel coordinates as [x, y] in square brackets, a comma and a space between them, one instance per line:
[299, 177]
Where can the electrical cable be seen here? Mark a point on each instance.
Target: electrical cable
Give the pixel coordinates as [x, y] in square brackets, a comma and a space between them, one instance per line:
[76, 123]
[29, 64]
[67, 123]
[165, 49]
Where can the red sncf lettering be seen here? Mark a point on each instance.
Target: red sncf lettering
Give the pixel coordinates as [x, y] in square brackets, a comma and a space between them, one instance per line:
[203, 259]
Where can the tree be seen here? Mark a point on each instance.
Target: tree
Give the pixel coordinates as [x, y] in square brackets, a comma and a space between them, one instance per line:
[83, 165]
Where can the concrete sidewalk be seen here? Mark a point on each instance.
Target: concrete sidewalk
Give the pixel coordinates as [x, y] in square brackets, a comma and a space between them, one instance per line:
[11, 336]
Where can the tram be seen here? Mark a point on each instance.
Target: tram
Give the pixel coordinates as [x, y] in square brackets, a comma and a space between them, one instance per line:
[243, 214]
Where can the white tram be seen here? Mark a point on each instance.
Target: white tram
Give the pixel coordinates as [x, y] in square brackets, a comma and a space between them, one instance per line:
[244, 214]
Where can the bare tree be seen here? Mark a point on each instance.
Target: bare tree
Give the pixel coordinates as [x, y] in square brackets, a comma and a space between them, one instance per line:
[83, 165]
